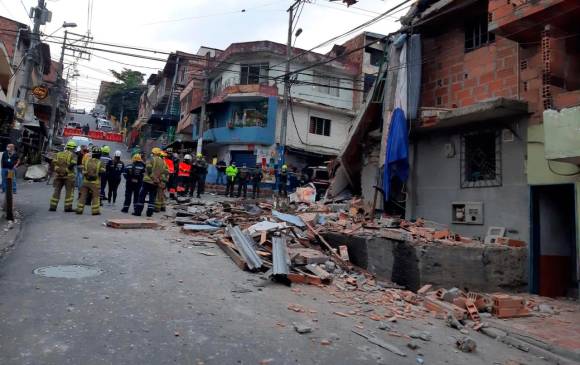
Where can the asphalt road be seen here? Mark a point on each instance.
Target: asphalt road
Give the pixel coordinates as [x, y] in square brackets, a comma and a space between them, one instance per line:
[160, 300]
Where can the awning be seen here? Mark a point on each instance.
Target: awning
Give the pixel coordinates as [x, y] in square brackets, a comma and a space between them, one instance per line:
[491, 109]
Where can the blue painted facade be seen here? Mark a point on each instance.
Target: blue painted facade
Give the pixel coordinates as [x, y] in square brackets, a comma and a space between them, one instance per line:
[224, 113]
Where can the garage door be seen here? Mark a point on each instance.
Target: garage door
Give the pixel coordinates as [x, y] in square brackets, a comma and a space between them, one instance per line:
[243, 157]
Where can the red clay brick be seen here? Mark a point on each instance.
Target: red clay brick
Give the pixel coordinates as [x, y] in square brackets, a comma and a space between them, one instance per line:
[486, 78]
[506, 72]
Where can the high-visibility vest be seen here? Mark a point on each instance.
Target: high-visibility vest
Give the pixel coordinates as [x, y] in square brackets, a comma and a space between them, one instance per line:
[169, 164]
[184, 169]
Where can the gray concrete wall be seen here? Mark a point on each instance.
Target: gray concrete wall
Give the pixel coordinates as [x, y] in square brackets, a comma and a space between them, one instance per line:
[486, 268]
[436, 183]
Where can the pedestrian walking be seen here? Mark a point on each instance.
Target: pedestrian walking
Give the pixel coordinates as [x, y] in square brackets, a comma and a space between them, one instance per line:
[133, 174]
[257, 176]
[243, 176]
[115, 170]
[154, 169]
[231, 173]
[10, 162]
[283, 181]
[93, 169]
[183, 176]
[221, 172]
[105, 159]
[199, 172]
[63, 166]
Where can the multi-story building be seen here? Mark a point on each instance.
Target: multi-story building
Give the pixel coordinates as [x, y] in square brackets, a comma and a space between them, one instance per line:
[495, 140]
[244, 111]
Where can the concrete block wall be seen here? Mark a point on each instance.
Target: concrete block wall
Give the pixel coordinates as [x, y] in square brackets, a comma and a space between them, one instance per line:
[455, 78]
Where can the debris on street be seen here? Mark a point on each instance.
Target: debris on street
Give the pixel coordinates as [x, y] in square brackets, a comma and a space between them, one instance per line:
[131, 223]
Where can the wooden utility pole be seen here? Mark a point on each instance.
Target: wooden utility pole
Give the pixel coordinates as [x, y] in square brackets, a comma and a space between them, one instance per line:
[9, 208]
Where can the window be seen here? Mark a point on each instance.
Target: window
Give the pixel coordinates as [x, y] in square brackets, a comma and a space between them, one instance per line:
[216, 86]
[254, 74]
[326, 84]
[376, 57]
[481, 159]
[476, 34]
[320, 126]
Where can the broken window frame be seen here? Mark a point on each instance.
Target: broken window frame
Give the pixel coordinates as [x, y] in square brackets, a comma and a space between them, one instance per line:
[469, 160]
[320, 126]
[254, 73]
[477, 34]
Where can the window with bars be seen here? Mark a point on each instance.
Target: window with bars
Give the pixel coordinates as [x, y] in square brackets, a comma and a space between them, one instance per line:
[326, 84]
[476, 33]
[481, 159]
[254, 74]
[320, 126]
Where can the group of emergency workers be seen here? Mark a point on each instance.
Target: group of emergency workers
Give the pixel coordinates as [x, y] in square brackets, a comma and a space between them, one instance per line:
[146, 182]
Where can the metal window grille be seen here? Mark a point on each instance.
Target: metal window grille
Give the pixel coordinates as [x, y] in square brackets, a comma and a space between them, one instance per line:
[476, 34]
[481, 159]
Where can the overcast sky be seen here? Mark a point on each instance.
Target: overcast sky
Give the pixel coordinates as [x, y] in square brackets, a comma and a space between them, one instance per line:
[187, 24]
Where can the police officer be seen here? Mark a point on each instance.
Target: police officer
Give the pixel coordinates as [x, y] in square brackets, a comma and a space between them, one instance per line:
[133, 179]
[199, 171]
[257, 176]
[243, 176]
[64, 171]
[231, 174]
[154, 169]
[115, 169]
[283, 181]
[105, 159]
[93, 169]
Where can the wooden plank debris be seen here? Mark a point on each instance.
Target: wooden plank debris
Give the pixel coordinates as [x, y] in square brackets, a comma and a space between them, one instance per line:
[131, 223]
[228, 248]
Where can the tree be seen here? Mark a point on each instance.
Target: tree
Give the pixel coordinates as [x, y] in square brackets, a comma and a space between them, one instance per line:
[125, 93]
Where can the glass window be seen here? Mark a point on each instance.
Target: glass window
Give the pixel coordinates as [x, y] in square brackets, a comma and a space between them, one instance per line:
[319, 126]
[254, 74]
[326, 84]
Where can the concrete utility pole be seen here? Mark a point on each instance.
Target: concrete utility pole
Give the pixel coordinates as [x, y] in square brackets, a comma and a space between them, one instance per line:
[204, 101]
[57, 87]
[41, 16]
[284, 125]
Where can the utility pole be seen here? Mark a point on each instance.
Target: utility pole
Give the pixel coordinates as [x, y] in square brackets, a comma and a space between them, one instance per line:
[284, 125]
[41, 16]
[204, 101]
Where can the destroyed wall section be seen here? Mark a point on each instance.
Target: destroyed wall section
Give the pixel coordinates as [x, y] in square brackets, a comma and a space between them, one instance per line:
[486, 268]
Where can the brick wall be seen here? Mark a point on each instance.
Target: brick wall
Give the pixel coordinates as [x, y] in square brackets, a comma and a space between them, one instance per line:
[454, 78]
[8, 34]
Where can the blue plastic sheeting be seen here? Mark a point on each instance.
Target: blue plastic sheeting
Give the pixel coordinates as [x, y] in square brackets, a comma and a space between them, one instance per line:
[413, 75]
[397, 159]
[292, 219]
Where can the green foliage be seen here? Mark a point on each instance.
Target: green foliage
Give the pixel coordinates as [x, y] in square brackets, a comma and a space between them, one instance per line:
[125, 93]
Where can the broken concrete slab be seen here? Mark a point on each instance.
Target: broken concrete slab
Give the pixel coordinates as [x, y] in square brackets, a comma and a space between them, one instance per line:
[302, 328]
[131, 223]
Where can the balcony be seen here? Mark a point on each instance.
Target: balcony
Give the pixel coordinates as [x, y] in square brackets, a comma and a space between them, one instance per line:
[523, 20]
[243, 122]
[243, 93]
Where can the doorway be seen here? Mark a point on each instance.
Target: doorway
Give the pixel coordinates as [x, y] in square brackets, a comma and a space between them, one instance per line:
[553, 249]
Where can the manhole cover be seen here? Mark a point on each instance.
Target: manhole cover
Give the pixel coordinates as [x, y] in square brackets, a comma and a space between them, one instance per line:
[68, 271]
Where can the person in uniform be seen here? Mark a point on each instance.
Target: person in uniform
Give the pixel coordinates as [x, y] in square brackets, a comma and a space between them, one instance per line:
[231, 173]
[133, 179]
[93, 169]
[115, 170]
[243, 176]
[198, 174]
[257, 176]
[154, 170]
[183, 175]
[105, 159]
[63, 165]
[283, 181]
[162, 186]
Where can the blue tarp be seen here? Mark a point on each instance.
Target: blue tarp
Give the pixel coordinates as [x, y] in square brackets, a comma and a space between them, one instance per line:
[397, 159]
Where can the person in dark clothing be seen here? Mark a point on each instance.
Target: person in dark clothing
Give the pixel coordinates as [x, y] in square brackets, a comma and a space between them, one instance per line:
[231, 173]
[283, 181]
[221, 172]
[198, 174]
[257, 176]
[115, 170]
[10, 162]
[105, 159]
[133, 180]
[243, 176]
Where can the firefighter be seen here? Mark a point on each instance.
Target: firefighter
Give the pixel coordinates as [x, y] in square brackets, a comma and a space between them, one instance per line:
[243, 176]
[198, 173]
[162, 186]
[154, 169]
[93, 168]
[283, 181]
[183, 174]
[169, 162]
[115, 170]
[257, 176]
[105, 159]
[63, 166]
[172, 184]
[231, 174]
[133, 179]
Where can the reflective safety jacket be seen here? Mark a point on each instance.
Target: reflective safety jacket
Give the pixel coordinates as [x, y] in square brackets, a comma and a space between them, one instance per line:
[184, 169]
[64, 163]
[231, 172]
[170, 165]
[156, 171]
[92, 169]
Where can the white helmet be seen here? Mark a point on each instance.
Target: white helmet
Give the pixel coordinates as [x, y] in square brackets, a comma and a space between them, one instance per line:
[187, 157]
[117, 153]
